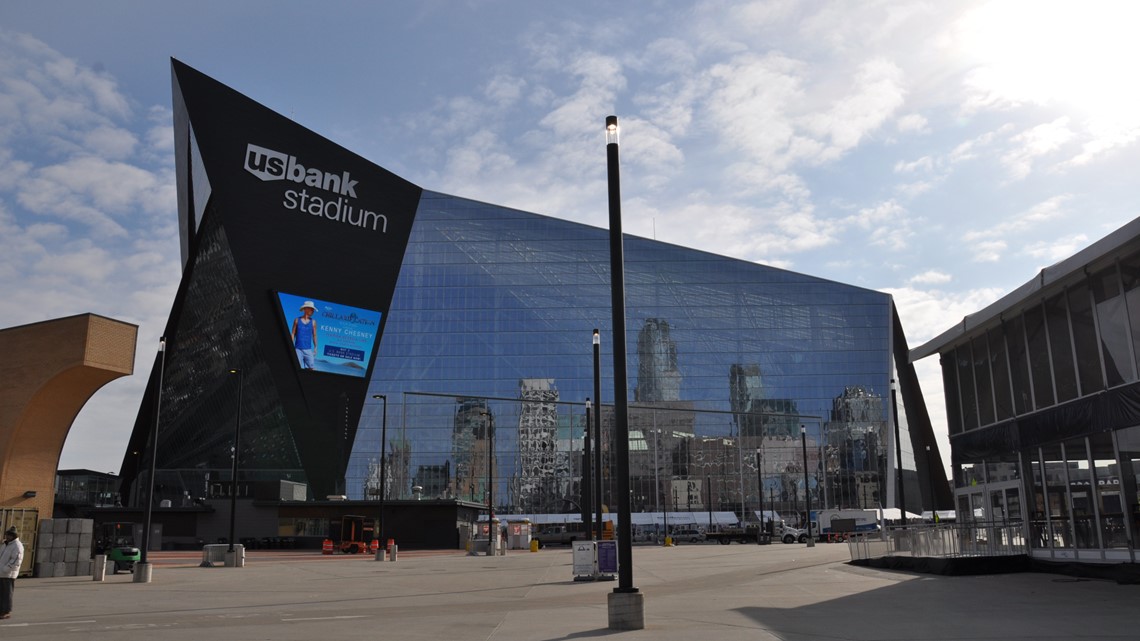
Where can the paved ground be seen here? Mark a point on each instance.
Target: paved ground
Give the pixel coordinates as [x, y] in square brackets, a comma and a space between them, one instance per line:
[711, 592]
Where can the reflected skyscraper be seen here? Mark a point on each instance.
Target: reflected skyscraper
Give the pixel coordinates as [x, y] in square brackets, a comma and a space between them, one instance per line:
[658, 378]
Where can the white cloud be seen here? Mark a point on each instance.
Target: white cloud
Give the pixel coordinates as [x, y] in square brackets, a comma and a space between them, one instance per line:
[1051, 252]
[1035, 142]
[912, 123]
[989, 245]
[931, 277]
[86, 218]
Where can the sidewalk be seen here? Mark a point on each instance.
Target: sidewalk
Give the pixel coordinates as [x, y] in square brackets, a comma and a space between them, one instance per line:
[786, 592]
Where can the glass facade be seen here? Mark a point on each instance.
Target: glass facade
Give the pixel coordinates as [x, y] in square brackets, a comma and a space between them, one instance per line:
[484, 359]
[491, 323]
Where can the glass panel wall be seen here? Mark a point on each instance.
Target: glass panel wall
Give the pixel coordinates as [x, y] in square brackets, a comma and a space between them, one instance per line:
[966, 383]
[492, 316]
[1039, 357]
[1109, 498]
[1130, 279]
[1003, 406]
[1128, 444]
[1084, 338]
[1061, 349]
[982, 381]
[1019, 366]
[1112, 323]
[1039, 532]
[1081, 493]
[1057, 497]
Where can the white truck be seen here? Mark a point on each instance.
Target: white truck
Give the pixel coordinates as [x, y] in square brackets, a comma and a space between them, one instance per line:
[842, 522]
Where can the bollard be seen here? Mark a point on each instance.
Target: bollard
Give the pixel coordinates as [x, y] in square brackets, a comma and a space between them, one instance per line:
[99, 567]
[380, 554]
[534, 545]
[392, 552]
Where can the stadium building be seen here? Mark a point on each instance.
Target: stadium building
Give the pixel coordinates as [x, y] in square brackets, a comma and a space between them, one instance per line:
[454, 339]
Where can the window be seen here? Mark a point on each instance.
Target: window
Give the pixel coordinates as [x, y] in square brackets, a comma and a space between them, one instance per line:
[1112, 321]
[1018, 366]
[1039, 357]
[1061, 348]
[1084, 337]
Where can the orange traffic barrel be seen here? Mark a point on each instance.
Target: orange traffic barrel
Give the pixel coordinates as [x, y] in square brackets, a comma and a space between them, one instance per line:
[327, 547]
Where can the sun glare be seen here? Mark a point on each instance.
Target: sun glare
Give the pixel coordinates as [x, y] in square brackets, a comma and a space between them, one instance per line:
[1075, 54]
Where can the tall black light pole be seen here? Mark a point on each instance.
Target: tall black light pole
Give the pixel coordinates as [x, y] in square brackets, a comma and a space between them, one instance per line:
[587, 510]
[626, 610]
[807, 492]
[760, 490]
[237, 451]
[383, 460]
[898, 451]
[598, 435]
[489, 426]
[143, 573]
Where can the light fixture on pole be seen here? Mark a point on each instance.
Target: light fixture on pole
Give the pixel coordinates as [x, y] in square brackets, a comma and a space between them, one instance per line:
[383, 479]
[143, 567]
[234, 471]
[587, 510]
[597, 435]
[626, 603]
[807, 492]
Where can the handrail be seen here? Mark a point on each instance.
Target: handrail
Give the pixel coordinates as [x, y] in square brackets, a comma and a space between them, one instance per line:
[943, 540]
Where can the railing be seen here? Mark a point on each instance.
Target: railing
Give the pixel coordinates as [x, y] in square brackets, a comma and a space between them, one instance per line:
[944, 540]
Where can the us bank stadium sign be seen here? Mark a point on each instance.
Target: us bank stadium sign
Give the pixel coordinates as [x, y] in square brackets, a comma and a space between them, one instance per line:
[333, 195]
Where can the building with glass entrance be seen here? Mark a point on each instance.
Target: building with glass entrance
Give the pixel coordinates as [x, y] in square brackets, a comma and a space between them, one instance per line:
[1043, 405]
[470, 324]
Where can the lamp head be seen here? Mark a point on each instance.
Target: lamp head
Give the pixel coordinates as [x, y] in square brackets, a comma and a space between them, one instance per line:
[612, 130]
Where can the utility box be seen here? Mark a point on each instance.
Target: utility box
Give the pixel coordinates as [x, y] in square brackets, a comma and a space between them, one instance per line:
[518, 534]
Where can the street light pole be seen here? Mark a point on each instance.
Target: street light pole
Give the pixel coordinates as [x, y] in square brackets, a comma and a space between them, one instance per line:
[807, 492]
[760, 490]
[383, 461]
[597, 434]
[587, 511]
[143, 570]
[237, 451]
[626, 604]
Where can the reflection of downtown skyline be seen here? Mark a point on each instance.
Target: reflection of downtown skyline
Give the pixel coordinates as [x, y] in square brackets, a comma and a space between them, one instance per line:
[679, 458]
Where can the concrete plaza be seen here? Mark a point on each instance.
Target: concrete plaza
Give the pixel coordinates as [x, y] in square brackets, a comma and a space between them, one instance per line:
[787, 592]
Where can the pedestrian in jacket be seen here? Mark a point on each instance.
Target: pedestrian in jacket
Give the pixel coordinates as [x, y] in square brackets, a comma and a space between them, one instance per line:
[11, 557]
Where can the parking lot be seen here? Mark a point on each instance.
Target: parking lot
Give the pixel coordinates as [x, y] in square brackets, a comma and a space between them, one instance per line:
[787, 592]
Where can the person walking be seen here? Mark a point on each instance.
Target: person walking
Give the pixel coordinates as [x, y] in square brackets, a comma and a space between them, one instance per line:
[11, 557]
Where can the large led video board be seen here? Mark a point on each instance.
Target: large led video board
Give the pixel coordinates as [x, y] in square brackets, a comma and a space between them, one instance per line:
[329, 337]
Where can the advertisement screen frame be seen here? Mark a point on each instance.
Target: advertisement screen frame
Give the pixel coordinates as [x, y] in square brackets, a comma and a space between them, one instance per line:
[345, 335]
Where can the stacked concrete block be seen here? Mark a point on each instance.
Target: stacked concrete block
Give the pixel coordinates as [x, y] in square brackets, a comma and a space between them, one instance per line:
[63, 547]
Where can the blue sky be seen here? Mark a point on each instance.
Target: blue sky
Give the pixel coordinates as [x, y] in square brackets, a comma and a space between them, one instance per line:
[943, 152]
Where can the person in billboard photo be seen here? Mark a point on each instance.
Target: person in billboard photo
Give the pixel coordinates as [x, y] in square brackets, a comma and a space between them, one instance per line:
[305, 334]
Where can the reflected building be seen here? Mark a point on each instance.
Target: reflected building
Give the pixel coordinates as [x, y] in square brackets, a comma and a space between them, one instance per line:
[544, 471]
[658, 378]
[855, 448]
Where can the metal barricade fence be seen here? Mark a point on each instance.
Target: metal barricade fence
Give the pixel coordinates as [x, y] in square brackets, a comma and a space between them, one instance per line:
[942, 540]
